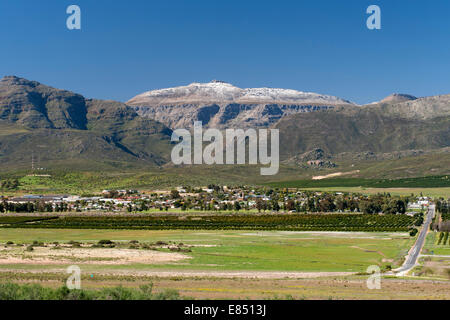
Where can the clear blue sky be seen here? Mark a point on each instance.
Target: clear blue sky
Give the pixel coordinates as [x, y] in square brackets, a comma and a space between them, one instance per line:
[127, 47]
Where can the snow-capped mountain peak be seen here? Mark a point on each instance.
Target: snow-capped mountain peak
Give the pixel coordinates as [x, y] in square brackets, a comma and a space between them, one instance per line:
[220, 92]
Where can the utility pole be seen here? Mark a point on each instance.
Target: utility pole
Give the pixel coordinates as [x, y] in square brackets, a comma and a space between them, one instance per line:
[32, 161]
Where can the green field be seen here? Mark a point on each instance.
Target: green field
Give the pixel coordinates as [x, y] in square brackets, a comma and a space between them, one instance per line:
[427, 192]
[431, 246]
[421, 182]
[243, 250]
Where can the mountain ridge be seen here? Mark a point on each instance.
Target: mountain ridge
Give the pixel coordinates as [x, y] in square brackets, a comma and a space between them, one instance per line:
[398, 97]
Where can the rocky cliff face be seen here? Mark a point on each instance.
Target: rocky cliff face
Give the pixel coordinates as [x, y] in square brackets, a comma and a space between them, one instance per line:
[34, 105]
[60, 125]
[221, 105]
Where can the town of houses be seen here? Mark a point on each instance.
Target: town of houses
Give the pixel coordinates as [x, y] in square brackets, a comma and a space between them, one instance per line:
[216, 198]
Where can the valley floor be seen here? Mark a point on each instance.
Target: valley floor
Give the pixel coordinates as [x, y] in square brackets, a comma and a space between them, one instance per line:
[208, 250]
[218, 264]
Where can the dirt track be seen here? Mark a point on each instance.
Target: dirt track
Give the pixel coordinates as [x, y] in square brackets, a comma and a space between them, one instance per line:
[202, 274]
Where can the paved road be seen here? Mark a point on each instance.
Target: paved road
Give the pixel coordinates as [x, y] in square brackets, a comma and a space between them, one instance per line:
[414, 253]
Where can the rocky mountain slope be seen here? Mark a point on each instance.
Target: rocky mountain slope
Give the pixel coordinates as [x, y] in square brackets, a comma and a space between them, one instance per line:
[61, 125]
[307, 121]
[221, 105]
[397, 98]
[424, 125]
[418, 108]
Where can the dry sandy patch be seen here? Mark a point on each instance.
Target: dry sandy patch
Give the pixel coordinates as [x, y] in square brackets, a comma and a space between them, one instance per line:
[236, 274]
[333, 175]
[46, 255]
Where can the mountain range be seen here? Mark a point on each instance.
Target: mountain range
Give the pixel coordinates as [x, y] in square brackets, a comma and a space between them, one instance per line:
[63, 127]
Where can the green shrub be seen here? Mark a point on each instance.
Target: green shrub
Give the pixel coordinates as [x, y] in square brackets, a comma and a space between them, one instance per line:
[12, 291]
[105, 242]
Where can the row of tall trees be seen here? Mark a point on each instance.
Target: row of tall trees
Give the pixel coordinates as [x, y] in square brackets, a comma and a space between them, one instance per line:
[443, 206]
[30, 207]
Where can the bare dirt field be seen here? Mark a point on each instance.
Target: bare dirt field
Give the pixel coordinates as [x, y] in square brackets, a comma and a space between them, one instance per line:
[99, 256]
